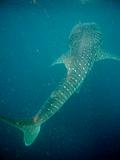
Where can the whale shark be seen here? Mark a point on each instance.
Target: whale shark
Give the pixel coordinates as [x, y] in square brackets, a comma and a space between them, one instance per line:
[84, 49]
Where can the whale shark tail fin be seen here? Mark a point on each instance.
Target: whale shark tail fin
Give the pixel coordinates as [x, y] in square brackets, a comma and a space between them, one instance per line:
[29, 128]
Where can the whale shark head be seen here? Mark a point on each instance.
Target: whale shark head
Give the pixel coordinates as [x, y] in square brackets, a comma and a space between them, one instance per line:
[85, 36]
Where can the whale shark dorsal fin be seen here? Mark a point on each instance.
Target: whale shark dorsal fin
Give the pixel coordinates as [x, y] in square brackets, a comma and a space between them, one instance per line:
[28, 127]
[65, 59]
[105, 55]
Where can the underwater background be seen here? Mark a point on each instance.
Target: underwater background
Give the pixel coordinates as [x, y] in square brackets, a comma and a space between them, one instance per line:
[33, 34]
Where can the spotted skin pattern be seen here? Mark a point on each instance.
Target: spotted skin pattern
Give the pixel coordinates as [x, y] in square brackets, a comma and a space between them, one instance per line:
[84, 42]
[84, 49]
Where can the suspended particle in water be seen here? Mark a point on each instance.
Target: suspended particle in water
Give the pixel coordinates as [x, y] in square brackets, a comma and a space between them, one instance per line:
[34, 1]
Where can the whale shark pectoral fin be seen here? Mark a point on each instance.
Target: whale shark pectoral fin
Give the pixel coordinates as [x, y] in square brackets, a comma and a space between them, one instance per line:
[60, 60]
[29, 128]
[105, 55]
[64, 59]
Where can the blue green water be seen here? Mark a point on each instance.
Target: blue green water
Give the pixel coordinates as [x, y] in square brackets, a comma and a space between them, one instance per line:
[32, 36]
